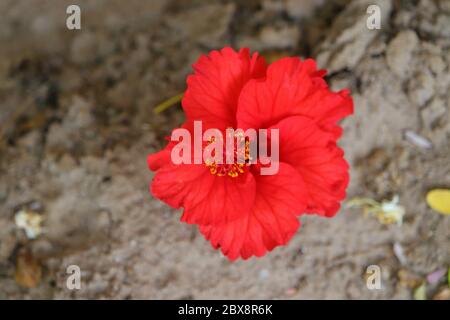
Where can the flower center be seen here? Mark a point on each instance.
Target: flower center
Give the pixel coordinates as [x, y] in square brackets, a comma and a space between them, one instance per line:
[240, 154]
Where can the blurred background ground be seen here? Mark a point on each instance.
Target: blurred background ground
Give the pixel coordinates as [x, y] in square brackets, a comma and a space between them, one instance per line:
[76, 124]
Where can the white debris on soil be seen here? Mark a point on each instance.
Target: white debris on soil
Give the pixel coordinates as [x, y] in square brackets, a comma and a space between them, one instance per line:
[399, 253]
[29, 221]
[418, 140]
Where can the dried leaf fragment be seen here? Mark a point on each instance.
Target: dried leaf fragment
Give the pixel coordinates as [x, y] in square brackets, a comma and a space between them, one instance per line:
[443, 294]
[28, 271]
[409, 279]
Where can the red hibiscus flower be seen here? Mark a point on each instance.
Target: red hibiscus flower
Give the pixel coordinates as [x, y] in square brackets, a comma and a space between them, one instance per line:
[239, 210]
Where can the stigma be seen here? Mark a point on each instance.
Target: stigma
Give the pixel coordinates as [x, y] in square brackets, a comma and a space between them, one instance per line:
[240, 154]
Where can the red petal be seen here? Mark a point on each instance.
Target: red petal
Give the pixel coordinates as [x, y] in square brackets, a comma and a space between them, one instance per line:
[314, 153]
[225, 201]
[214, 88]
[159, 159]
[292, 87]
[326, 177]
[271, 222]
[206, 198]
[156, 160]
[327, 108]
[177, 184]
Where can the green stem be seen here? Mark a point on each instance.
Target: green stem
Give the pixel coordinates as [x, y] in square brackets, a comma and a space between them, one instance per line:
[168, 103]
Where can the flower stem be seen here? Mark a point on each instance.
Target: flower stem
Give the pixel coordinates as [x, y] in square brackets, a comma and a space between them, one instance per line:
[168, 103]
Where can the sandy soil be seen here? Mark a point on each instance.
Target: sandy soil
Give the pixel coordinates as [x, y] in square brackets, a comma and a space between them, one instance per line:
[76, 124]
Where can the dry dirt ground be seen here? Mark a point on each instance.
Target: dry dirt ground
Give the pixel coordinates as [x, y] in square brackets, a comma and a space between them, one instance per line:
[76, 124]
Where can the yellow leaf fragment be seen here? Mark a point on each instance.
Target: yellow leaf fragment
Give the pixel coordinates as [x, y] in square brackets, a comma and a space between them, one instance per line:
[439, 200]
[420, 293]
[448, 277]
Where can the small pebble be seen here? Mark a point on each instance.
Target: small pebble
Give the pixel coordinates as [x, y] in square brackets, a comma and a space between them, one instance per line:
[264, 274]
[398, 251]
[418, 140]
[436, 276]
